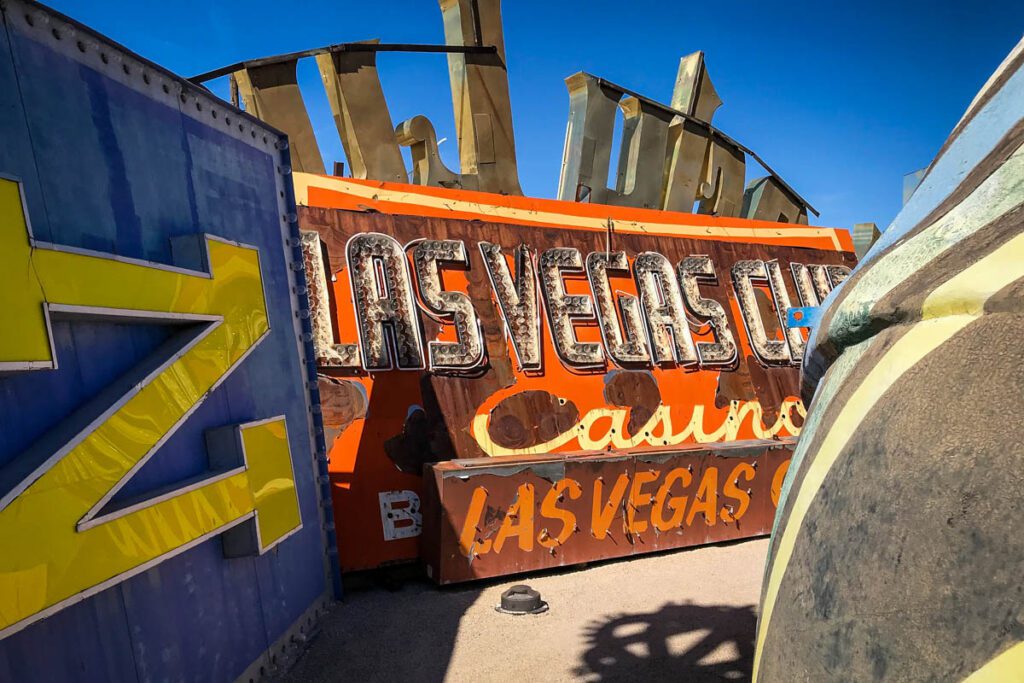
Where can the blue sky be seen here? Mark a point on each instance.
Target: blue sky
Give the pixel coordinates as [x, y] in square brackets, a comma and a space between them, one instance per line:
[842, 99]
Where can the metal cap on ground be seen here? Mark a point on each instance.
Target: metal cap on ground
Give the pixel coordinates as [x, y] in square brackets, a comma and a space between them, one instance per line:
[521, 599]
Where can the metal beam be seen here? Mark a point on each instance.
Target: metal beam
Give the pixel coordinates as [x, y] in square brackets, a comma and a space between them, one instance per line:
[345, 47]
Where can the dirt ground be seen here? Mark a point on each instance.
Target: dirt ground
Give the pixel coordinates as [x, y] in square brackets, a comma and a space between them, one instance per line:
[681, 616]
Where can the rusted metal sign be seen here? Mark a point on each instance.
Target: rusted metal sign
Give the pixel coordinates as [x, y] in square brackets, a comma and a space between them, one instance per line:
[456, 325]
[485, 519]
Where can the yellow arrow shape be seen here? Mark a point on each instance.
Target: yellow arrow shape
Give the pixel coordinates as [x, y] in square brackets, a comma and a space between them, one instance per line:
[56, 549]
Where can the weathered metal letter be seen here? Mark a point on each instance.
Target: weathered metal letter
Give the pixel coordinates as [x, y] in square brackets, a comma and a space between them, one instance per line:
[693, 94]
[642, 155]
[418, 135]
[765, 199]
[721, 192]
[361, 115]
[328, 354]
[632, 349]
[693, 270]
[864, 236]
[836, 274]
[468, 351]
[588, 141]
[517, 299]
[384, 303]
[804, 285]
[667, 330]
[768, 351]
[587, 155]
[794, 336]
[819, 276]
[563, 308]
[271, 93]
[479, 82]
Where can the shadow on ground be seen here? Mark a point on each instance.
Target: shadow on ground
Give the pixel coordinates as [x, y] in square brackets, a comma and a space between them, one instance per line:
[617, 621]
[386, 629]
[680, 642]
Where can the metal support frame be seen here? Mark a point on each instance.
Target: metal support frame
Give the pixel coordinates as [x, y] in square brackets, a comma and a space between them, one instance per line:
[344, 47]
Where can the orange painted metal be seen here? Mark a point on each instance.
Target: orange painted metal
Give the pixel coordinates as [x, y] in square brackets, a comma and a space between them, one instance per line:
[387, 426]
[487, 520]
[353, 194]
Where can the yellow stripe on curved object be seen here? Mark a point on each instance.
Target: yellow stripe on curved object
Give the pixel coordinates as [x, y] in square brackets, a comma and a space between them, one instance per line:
[947, 310]
[1007, 667]
[46, 561]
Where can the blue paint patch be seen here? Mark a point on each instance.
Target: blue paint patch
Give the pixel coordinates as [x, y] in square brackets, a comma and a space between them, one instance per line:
[803, 317]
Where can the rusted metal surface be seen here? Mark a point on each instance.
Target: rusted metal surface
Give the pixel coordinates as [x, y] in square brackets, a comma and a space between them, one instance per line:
[542, 329]
[484, 520]
[463, 400]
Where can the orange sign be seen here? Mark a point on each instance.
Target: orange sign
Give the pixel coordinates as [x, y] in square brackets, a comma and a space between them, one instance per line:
[454, 324]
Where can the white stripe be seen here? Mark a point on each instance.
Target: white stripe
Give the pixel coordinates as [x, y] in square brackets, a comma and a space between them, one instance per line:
[1000, 193]
[992, 79]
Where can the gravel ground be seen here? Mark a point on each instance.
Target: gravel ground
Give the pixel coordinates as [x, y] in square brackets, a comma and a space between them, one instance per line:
[682, 616]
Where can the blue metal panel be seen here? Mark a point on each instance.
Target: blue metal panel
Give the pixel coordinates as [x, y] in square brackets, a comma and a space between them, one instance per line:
[196, 617]
[115, 164]
[16, 153]
[89, 641]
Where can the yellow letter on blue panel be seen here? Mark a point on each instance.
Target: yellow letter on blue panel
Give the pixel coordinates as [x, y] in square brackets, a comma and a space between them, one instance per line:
[58, 544]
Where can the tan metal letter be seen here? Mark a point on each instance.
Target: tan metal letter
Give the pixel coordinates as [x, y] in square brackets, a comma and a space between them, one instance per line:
[271, 93]
[479, 82]
[361, 115]
[765, 199]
